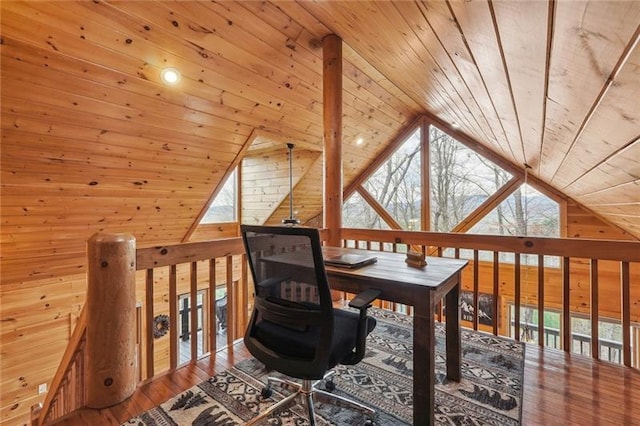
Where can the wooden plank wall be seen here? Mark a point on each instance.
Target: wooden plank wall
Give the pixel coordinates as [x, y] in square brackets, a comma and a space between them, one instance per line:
[581, 223]
[260, 196]
[92, 140]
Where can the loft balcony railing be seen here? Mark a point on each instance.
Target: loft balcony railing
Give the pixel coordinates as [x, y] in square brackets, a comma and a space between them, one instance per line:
[163, 274]
[580, 270]
[219, 267]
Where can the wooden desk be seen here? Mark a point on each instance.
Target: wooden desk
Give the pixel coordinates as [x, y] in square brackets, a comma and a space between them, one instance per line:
[422, 289]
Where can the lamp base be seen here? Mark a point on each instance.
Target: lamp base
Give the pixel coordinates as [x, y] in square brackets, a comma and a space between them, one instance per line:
[291, 221]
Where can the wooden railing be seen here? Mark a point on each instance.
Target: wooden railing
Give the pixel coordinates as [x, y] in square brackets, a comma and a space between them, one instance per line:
[189, 269]
[579, 280]
[165, 273]
[66, 392]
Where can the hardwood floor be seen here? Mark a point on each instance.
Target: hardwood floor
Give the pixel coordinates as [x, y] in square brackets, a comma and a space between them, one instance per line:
[563, 389]
[559, 390]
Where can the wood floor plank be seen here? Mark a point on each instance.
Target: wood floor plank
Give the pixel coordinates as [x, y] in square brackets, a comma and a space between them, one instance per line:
[559, 389]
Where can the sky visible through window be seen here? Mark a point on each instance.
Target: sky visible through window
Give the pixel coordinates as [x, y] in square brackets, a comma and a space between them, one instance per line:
[224, 206]
[461, 180]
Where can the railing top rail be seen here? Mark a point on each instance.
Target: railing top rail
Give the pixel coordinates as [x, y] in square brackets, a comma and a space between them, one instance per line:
[154, 257]
[567, 247]
[67, 359]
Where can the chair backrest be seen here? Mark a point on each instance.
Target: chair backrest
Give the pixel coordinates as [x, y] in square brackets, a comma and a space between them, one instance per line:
[292, 299]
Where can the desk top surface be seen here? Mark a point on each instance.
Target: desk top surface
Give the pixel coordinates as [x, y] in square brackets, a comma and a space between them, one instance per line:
[391, 267]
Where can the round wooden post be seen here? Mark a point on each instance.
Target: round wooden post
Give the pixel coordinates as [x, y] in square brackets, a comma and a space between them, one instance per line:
[111, 319]
[332, 123]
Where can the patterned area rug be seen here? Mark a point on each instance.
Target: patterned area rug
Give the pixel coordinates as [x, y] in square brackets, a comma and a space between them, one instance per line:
[490, 392]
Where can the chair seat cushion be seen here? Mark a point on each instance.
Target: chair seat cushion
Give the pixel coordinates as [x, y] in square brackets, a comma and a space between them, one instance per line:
[302, 344]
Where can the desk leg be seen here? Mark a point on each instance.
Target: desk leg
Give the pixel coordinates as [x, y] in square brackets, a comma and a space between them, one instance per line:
[424, 341]
[452, 311]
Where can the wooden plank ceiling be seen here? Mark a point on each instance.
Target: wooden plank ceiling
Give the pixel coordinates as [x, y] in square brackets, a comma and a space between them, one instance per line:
[93, 141]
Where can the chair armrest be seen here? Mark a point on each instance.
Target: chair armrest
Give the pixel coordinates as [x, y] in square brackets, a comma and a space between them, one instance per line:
[362, 302]
[364, 299]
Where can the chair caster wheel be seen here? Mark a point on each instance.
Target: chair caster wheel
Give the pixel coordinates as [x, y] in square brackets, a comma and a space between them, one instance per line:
[266, 392]
[329, 385]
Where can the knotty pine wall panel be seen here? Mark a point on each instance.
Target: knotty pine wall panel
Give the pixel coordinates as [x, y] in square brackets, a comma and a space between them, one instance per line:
[307, 196]
[214, 231]
[260, 196]
[37, 318]
[582, 223]
[104, 146]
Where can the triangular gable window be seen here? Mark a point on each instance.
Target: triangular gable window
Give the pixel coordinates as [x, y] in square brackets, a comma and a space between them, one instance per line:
[395, 185]
[357, 213]
[225, 205]
[461, 180]
[526, 212]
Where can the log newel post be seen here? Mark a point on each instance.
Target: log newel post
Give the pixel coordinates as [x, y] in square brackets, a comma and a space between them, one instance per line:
[111, 319]
[332, 117]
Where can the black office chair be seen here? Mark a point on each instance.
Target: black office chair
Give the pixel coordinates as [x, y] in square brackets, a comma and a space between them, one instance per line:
[294, 328]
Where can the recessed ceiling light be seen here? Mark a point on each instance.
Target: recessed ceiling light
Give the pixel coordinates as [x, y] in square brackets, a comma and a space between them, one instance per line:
[455, 125]
[359, 141]
[170, 75]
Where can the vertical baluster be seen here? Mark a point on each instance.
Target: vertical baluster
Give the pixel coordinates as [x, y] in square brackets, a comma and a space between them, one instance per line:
[213, 319]
[496, 290]
[73, 379]
[173, 317]
[64, 393]
[245, 292]
[635, 362]
[595, 338]
[80, 385]
[149, 323]
[541, 300]
[566, 306]
[626, 312]
[516, 295]
[476, 288]
[193, 317]
[231, 303]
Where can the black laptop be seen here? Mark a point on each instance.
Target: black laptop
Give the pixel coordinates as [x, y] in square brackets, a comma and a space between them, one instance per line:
[350, 260]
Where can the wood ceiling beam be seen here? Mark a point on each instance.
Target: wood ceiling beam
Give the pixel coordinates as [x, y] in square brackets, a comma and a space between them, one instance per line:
[489, 204]
[378, 208]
